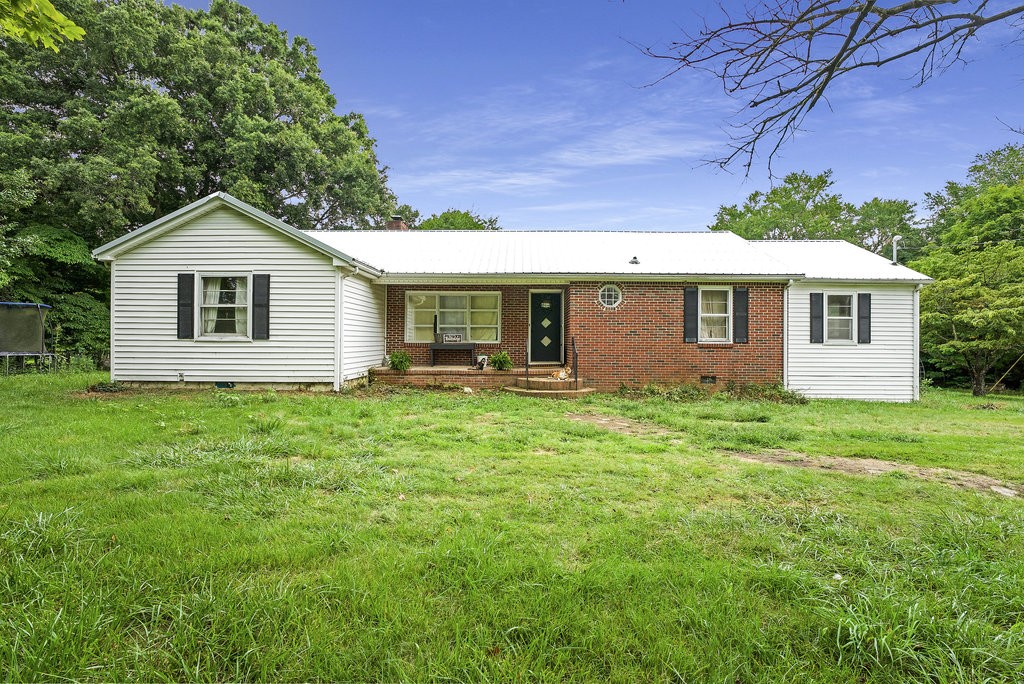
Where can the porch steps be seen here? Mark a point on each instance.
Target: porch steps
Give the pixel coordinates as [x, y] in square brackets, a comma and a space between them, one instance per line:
[550, 388]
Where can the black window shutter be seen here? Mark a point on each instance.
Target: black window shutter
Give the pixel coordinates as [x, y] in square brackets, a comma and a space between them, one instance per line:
[864, 317]
[261, 306]
[690, 306]
[817, 318]
[186, 305]
[740, 308]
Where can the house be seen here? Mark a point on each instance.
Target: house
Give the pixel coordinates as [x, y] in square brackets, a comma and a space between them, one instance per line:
[219, 291]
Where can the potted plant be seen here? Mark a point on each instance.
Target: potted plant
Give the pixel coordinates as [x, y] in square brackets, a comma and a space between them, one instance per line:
[501, 361]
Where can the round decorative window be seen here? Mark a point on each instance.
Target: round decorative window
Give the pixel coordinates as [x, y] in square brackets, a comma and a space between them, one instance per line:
[610, 296]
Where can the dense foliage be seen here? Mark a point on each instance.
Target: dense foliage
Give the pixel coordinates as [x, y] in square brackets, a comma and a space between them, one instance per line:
[159, 106]
[36, 22]
[972, 316]
[458, 219]
[805, 207]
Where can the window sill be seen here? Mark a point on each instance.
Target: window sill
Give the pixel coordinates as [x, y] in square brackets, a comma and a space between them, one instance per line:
[223, 338]
[489, 342]
[715, 343]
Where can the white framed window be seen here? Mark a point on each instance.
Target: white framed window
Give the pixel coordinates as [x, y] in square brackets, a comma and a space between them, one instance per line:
[224, 306]
[610, 296]
[715, 308]
[840, 317]
[474, 315]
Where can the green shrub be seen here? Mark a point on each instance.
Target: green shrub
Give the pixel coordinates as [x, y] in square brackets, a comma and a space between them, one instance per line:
[684, 392]
[501, 361]
[400, 360]
[774, 393]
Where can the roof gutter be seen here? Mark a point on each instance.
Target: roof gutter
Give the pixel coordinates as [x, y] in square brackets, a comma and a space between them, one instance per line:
[527, 278]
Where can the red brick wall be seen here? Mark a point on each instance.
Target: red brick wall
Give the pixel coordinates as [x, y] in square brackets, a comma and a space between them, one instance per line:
[515, 322]
[641, 340]
[638, 342]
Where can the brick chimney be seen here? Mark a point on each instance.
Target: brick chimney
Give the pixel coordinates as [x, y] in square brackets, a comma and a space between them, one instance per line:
[396, 223]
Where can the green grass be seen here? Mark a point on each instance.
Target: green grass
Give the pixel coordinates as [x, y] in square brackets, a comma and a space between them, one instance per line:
[419, 536]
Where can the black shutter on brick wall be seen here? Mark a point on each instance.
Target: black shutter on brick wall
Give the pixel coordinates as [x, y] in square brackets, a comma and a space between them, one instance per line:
[740, 310]
[864, 318]
[261, 306]
[690, 312]
[186, 305]
[817, 318]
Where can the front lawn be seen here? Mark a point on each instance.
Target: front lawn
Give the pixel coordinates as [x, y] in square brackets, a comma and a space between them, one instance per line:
[220, 535]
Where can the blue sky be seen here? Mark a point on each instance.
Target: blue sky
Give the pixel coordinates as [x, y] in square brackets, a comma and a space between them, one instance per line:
[536, 112]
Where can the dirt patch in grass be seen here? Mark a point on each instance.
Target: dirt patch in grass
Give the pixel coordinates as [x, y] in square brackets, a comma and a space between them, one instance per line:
[852, 466]
[874, 466]
[626, 426]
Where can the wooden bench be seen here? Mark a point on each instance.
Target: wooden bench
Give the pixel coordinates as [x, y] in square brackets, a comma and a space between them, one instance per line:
[457, 346]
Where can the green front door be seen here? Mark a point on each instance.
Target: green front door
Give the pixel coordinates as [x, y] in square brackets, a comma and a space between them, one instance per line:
[546, 327]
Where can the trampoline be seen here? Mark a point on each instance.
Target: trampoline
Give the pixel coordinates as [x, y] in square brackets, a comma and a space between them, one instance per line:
[23, 334]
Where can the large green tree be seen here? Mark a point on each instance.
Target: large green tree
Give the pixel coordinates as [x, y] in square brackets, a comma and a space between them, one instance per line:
[972, 316]
[806, 207]
[1002, 166]
[801, 207]
[458, 219]
[161, 105]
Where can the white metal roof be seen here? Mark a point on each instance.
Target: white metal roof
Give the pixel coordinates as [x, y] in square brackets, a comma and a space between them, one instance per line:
[524, 253]
[676, 255]
[836, 260]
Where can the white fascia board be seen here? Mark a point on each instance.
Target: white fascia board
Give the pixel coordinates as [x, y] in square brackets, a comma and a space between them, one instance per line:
[565, 278]
[868, 281]
[111, 250]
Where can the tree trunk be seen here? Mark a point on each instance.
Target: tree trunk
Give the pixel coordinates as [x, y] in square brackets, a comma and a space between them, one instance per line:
[978, 381]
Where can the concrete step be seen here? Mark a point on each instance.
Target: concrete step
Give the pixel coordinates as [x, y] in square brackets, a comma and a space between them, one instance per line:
[551, 394]
[545, 383]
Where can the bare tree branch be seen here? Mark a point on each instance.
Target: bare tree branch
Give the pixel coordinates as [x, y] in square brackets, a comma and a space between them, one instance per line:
[781, 57]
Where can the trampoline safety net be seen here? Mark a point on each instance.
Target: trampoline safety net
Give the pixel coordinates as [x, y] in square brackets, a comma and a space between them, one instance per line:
[23, 329]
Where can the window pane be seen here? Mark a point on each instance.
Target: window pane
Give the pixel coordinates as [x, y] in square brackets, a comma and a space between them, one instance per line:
[714, 301]
[225, 320]
[451, 318]
[840, 305]
[840, 328]
[484, 334]
[428, 302]
[224, 290]
[484, 301]
[423, 317]
[714, 327]
[610, 296]
[423, 334]
[484, 318]
[453, 302]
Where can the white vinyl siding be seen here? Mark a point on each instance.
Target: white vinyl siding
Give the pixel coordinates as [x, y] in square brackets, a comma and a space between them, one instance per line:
[303, 282]
[884, 369]
[362, 326]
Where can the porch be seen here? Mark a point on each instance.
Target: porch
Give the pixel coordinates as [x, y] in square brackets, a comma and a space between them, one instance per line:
[532, 381]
